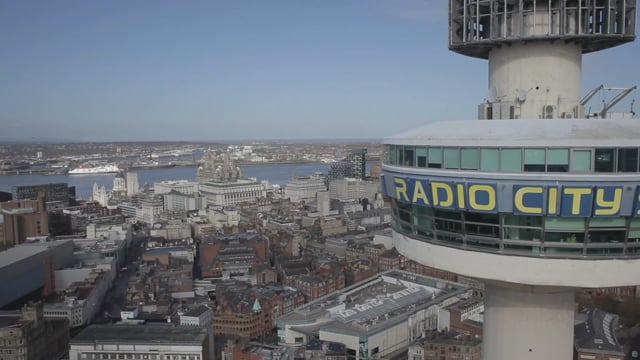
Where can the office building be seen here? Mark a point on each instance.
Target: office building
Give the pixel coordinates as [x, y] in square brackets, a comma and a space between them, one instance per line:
[223, 184]
[358, 160]
[378, 317]
[22, 219]
[27, 335]
[56, 194]
[153, 341]
[132, 183]
[538, 199]
[305, 188]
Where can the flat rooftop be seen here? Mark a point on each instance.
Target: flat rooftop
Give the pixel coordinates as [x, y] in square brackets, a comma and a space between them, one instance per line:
[373, 304]
[20, 252]
[524, 133]
[141, 334]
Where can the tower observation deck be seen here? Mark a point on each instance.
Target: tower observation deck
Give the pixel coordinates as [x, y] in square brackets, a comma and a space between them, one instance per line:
[536, 208]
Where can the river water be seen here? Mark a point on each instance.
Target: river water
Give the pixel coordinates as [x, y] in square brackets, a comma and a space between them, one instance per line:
[274, 173]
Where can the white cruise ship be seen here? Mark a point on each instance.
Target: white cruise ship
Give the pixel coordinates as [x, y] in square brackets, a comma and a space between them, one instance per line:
[101, 169]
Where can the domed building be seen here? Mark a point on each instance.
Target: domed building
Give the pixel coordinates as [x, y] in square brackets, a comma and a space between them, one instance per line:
[222, 183]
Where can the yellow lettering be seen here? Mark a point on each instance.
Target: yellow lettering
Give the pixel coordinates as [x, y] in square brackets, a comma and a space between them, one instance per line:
[460, 189]
[401, 189]
[491, 196]
[519, 200]
[576, 194]
[419, 193]
[608, 207]
[552, 207]
[448, 201]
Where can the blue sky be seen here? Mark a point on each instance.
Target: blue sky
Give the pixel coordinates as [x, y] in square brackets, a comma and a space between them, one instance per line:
[224, 70]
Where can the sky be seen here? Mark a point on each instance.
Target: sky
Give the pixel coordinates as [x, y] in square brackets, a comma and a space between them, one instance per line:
[155, 70]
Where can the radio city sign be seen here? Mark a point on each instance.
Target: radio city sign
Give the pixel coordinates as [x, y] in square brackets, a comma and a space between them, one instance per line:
[524, 198]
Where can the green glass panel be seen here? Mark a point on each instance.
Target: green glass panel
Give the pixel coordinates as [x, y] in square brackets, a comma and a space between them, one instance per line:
[489, 159]
[469, 159]
[581, 160]
[558, 156]
[511, 160]
[451, 158]
[635, 223]
[560, 223]
[534, 156]
[421, 157]
[435, 155]
[607, 222]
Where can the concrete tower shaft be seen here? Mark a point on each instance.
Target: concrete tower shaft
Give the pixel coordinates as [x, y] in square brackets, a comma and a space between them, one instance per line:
[534, 49]
[536, 80]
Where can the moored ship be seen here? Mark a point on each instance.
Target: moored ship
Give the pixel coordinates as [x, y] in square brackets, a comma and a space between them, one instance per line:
[92, 170]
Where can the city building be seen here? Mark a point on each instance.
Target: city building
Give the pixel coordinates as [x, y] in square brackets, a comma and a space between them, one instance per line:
[595, 336]
[84, 288]
[237, 254]
[27, 267]
[200, 315]
[340, 170]
[148, 341]
[132, 183]
[358, 160]
[56, 194]
[353, 188]
[23, 219]
[175, 201]
[100, 194]
[119, 183]
[305, 188]
[378, 317]
[449, 345]
[27, 335]
[535, 200]
[223, 184]
[182, 186]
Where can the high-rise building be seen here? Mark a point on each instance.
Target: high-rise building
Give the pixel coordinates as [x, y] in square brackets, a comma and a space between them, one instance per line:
[56, 194]
[536, 200]
[119, 183]
[132, 183]
[24, 218]
[358, 160]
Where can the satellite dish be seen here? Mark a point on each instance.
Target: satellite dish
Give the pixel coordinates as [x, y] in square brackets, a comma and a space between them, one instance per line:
[521, 95]
[492, 94]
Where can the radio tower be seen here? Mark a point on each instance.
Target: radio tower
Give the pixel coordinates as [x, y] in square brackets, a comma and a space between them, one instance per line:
[539, 202]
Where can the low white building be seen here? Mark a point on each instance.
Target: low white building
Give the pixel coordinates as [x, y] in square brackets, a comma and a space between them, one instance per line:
[200, 315]
[351, 188]
[305, 188]
[143, 341]
[375, 318]
[86, 288]
[182, 186]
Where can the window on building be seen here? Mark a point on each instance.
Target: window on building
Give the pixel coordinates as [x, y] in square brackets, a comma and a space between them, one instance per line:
[628, 160]
[435, 157]
[511, 160]
[605, 160]
[534, 160]
[451, 158]
[421, 157]
[469, 159]
[409, 156]
[581, 160]
[557, 160]
[490, 159]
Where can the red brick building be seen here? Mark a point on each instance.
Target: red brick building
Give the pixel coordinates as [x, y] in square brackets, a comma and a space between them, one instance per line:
[446, 346]
[23, 219]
